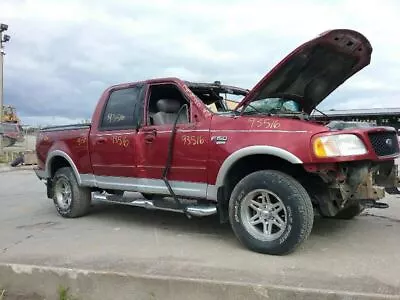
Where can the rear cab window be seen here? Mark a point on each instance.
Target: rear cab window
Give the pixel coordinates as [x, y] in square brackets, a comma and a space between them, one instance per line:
[123, 109]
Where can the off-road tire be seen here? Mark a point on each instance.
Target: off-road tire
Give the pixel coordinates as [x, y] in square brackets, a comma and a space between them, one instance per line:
[300, 214]
[80, 199]
[349, 212]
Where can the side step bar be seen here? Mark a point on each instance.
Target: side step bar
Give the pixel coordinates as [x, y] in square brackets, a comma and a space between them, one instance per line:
[195, 210]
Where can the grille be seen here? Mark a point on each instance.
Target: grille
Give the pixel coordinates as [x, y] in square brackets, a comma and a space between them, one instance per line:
[384, 143]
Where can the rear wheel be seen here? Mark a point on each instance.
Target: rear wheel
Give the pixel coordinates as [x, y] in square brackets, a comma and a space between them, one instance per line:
[70, 199]
[270, 212]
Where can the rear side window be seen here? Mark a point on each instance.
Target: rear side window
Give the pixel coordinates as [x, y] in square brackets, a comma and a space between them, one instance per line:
[122, 110]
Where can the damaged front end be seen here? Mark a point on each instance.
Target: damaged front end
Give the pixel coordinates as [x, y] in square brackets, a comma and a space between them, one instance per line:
[347, 184]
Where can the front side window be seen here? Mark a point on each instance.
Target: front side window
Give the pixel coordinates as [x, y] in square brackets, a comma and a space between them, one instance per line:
[122, 110]
[165, 102]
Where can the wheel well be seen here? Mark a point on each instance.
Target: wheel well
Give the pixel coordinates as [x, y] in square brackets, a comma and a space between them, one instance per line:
[253, 163]
[58, 162]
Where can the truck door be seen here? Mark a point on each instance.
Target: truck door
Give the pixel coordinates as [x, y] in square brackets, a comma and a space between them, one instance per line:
[191, 142]
[113, 141]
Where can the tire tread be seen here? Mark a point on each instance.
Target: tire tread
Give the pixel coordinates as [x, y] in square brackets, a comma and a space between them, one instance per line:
[81, 196]
[304, 206]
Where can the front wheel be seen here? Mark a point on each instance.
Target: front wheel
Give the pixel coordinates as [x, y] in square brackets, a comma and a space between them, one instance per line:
[70, 199]
[270, 212]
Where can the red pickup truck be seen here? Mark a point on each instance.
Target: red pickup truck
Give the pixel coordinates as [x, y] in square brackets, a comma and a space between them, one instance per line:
[266, 166]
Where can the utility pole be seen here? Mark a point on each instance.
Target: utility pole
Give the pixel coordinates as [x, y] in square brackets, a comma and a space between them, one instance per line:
[4, 38]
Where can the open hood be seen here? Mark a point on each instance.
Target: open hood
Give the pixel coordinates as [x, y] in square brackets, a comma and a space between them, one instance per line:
[316, 68]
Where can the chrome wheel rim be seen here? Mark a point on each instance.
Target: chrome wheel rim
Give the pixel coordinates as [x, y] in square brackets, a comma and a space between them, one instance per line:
[63, 193]
[264, 215]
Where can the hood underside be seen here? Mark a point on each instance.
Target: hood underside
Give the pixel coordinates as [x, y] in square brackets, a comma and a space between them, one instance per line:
[315, 69]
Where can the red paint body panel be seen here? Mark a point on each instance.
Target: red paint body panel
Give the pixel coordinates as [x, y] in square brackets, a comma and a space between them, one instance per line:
[109, 158]
[72, 142]
[188, 162]
[349, 45]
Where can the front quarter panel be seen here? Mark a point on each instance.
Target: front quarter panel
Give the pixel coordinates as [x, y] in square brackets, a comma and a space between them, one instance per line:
[235, 137]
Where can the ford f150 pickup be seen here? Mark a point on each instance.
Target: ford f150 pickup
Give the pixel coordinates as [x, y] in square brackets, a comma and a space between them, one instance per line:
[265, 166]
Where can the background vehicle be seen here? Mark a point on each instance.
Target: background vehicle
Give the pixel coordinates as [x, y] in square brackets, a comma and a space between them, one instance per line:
[265, 166]
[11, 133]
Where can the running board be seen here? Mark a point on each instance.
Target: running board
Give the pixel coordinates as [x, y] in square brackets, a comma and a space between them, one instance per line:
[195, 210]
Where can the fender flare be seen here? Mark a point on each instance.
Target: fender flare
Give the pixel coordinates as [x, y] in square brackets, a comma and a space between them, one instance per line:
[58, 153]
[253, 150]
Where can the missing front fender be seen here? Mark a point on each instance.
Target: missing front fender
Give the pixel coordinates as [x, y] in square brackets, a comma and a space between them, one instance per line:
[352, 184]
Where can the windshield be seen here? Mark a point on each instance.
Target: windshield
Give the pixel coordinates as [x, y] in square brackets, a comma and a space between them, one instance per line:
[273, 105]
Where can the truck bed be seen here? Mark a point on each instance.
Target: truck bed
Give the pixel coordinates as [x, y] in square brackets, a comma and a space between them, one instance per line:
[66, 127]
[73, 140]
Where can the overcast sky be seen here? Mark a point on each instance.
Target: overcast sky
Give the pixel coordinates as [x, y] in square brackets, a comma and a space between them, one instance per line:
[64, 53]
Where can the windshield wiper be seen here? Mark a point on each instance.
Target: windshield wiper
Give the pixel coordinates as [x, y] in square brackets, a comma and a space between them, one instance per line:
[290, 113]
[322, 113]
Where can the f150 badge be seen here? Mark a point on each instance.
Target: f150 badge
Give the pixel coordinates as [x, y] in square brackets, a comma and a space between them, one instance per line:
[219, 139]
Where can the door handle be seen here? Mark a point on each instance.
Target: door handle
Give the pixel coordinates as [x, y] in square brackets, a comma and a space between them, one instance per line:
[150, 135]
[101, 140]
[191, 126]
[150, 131]
[149, 138]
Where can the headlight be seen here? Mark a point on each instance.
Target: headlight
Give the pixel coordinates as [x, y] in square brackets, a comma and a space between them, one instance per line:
[338, 145]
